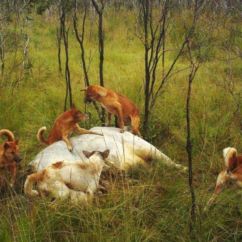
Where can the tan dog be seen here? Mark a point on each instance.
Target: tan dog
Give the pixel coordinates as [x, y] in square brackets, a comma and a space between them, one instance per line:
[74, 180]
[232, 171]
[9, 155]
[63, 127]
[115, 104]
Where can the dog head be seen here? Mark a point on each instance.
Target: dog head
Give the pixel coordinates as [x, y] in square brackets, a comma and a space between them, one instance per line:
[98, 157]
[94, 93]
[11, 151]
[78, 115]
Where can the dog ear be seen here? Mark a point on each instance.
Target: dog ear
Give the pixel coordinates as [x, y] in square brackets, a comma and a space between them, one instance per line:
[105, 154]
[102, 92]
[87, 153]
[6, 146]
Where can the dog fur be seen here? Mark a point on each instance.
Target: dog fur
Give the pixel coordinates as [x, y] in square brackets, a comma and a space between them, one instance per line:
[232, 171]
[115, 104]
[63, 127]
[9, 156]
[62, 180]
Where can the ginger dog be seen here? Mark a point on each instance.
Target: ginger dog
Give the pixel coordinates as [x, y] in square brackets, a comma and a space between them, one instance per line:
[9, 155]
[62, 180]
[233, 171]
[63, 127]
[115, 104]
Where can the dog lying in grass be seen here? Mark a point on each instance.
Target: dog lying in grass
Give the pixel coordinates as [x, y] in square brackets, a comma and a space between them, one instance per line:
[115, 104]
[126, 150]
[9, 156]
[77, 181]
[232, 171]
[63, 127]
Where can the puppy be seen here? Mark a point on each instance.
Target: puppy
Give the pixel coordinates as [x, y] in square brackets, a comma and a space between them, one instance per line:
[77, 181]
[232, 171]
[63, 127]
[115, 104]
[9, 155]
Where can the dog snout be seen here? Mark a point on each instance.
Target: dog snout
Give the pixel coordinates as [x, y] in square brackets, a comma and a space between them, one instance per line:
[17, 158]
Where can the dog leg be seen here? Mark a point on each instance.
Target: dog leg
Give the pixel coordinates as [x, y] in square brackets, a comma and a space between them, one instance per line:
[80, 130]
[135, 123]
[109, 120]
[119, 111]
[223, 177]
[68, 143]
[13, 171]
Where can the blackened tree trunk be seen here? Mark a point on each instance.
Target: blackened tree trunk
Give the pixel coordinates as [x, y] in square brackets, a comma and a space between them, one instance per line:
[59, 37]
[65, 34]
[153, 36]
[99, 8]
[192, 74]
[80, 39]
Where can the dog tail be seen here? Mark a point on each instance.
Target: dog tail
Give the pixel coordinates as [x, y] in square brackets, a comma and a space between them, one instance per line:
[230, 158]
[8, 134]
[40, 135]
[30, 182]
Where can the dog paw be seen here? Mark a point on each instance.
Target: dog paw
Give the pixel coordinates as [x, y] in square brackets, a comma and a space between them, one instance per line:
[122, 130]
[34, 193]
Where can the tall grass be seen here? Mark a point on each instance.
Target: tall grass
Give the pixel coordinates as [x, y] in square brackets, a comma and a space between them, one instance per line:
[153, 205]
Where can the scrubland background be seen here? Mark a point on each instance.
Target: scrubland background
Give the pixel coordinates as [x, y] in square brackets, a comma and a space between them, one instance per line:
[156, 206]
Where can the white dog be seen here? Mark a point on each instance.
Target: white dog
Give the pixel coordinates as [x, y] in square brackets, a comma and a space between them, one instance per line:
[77, 181]
[126, 150]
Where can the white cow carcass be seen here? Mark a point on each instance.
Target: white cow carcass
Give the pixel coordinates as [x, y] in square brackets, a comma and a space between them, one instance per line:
[126, 150]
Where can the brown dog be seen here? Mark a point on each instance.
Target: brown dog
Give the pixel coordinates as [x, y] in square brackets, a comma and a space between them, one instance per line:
[115, 104]
[63, 127]
[232, 171]
[9, 155]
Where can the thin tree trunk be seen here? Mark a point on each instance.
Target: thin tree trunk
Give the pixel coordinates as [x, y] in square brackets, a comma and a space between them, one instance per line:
[59, 37]
[101, 47]
[189, 152]
[65, 35]
[146, 6]
[2, 55]
[194, 68]
[80, 40]
[99, 11]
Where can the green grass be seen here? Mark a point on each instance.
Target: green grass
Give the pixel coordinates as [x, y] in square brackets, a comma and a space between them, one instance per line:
[155, 207]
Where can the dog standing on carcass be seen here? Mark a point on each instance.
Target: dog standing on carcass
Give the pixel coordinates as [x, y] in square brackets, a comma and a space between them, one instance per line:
[74, 180]
[64, 126]
[115, 104]
[9, 157]
[232, 171]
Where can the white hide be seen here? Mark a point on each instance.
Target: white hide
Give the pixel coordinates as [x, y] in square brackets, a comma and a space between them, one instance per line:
[83, 180]
[125, 148]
